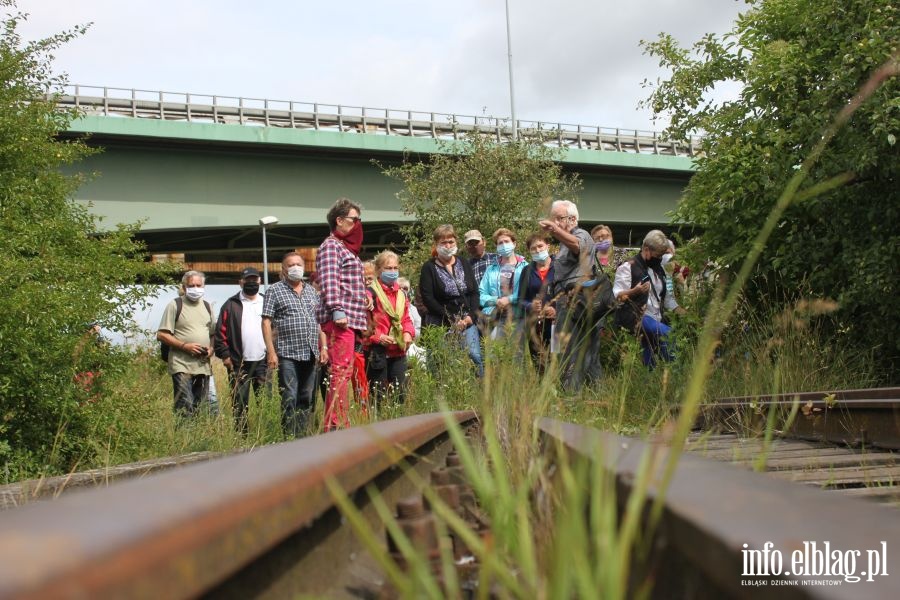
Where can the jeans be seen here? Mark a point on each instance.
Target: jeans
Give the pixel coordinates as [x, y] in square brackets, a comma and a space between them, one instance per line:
[190, 390]
[579, 343]
[593, 369]
[253, 373]
[655, 340]
[471, 339]
[297, 382]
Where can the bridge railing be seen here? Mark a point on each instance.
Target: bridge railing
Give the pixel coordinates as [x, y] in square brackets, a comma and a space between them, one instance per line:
[261, 112]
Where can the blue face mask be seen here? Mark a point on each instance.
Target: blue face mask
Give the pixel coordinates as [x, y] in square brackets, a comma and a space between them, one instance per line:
[505, 249]
[540, 256]
[389, 277]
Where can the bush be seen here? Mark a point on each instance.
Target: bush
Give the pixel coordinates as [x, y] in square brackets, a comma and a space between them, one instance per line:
[59, 271]
[799, 63]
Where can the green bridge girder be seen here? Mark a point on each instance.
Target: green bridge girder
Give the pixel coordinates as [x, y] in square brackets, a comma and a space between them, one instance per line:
[201, 187]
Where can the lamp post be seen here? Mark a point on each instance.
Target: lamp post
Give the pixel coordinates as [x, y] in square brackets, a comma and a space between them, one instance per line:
[266, 223]
[512, 95]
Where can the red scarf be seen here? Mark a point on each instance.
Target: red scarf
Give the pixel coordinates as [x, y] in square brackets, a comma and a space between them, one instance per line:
[353, 239]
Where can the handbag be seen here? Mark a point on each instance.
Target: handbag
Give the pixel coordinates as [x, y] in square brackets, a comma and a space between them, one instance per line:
[377, 357]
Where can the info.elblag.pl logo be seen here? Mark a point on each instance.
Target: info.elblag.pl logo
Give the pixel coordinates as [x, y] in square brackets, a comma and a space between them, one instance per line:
[817, 563]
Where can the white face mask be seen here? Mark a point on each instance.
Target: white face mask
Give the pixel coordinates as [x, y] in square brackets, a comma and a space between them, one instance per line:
[540, 256]
[446, 252]
[666, 258]
[295, 273]
[194, 293]
[505, 249]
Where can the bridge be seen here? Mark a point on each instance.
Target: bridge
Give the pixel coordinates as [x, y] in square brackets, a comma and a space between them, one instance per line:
[199, 171]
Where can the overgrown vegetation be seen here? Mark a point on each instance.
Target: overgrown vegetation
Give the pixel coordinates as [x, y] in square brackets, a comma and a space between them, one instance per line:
[798, 62]
[59, 270]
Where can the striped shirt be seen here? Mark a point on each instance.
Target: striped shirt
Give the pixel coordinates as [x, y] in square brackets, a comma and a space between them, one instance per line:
[343, 287]
[294, 324]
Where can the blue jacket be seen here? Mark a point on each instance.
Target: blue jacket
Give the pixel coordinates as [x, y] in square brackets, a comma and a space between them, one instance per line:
[489, 289]
[531, 286]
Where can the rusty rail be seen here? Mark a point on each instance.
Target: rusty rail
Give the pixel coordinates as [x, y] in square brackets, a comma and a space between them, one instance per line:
[862, 418]
[712, 510]
[179, 534]
[15, 495]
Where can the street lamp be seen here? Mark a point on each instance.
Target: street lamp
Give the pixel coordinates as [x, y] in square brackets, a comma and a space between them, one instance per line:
[512, 94]
[266, 223]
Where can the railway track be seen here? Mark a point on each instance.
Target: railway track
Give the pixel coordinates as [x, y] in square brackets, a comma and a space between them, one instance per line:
[263, 524]
[15, 495]
[844, 441]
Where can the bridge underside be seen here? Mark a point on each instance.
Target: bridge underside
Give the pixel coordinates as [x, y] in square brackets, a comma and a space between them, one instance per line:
[203, 200]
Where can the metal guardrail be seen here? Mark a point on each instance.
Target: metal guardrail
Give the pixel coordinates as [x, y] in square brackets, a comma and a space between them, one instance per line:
[260, 112]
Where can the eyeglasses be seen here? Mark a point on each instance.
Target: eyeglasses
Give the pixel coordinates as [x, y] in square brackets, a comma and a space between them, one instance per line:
[561, 218]
[353, 219]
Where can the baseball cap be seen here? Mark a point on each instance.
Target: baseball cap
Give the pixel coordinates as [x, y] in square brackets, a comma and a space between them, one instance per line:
[472, 234]
[249, 272]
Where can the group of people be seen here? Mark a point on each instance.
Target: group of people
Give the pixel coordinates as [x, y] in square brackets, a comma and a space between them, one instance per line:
[356, 322]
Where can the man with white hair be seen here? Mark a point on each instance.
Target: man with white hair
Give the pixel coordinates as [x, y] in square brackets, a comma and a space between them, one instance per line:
[572, 268]
[187, 328]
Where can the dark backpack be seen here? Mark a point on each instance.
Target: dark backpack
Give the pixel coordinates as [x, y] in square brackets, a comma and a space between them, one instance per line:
[598, 293]
[179, 304]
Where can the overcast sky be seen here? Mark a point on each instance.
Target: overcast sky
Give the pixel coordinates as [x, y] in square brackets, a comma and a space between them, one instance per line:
[575, 61]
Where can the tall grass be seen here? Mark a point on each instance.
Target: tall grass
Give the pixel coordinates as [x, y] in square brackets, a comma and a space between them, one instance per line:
[135, 420]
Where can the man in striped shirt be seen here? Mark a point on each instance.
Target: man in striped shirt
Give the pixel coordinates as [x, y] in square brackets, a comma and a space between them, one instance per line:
[342, 310]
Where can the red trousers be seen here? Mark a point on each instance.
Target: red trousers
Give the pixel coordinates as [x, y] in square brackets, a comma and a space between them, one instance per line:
[341, 358]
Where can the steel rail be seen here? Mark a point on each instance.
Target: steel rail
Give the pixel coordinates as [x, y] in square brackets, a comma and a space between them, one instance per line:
[181, 533]
[863, 417]
[15, 495]
[200, 108]
[712, 510]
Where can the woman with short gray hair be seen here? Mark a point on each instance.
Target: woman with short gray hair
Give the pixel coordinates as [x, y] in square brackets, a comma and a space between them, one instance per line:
[640, 287]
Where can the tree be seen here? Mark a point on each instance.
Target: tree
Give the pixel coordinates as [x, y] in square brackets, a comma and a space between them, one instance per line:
[59, 273]
[480, 184]
[798, 62]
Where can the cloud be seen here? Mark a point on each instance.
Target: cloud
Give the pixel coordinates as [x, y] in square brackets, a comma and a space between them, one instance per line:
[575, 61]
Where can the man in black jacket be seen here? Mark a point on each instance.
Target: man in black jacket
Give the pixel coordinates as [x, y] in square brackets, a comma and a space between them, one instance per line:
[239, 343]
